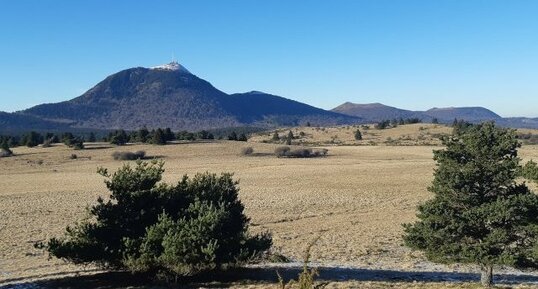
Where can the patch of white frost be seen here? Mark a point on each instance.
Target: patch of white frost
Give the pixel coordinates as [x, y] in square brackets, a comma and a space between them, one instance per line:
[172, 66]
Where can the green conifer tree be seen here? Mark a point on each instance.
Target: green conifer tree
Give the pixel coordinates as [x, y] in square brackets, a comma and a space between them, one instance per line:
[142, 135]
[159, 137]
[358, 135]
[232, 136]
[479, 213]
[276, 137]
[289, 138]
[242, 137]
[92, 137]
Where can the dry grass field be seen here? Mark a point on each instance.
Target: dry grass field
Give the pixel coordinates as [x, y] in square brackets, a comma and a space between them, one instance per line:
[356, 198]
[403, 135]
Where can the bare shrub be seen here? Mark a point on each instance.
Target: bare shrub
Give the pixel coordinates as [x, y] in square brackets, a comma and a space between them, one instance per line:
[247, 151]
[282, 151]
[129, 156]
[5, 153]
[300, 152]
[320, 152]
[307, 278]
[47, 143]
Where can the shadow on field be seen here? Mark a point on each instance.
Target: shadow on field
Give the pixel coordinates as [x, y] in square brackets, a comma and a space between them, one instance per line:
[157, 157]
[119, 280]
[198, 141]
[89, 148]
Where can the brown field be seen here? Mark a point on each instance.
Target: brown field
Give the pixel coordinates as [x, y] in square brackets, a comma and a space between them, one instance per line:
[356, 199]
[423, 134]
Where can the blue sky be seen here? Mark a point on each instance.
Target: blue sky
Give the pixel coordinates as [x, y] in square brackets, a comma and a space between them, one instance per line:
[409, 54]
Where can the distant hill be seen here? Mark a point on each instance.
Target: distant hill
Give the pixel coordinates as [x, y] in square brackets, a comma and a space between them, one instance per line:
[269, 110]
[170, 96]
[519, 122]
[374, 112]
[471, 114]
[14, 122]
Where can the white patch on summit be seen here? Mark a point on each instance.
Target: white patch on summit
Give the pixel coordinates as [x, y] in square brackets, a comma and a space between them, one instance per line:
[172, 66]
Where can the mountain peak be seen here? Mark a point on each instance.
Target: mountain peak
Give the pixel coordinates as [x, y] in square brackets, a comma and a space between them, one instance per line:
[172, 66]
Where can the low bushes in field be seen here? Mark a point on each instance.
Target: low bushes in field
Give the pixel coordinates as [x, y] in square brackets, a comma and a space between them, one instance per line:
[5, 151]
[129, 156]
[300, 152]
[528, 138]
[282, 151]
[246, 151]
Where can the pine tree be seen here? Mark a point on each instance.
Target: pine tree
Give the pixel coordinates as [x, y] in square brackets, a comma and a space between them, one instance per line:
[358, 135]
[242, 137]
[289, 138]
[119, 137]
[33, 139]
[142, 135]
[276, 137]
[232, 136]
[67, 137]
[77, 143]
[169, 135]
[159, 137]
[479, 213]
[92, 137]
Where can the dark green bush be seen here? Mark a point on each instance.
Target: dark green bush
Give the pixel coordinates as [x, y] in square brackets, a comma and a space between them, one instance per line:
[171, 231]
[299, 153]
[242, 137]
[129, 156]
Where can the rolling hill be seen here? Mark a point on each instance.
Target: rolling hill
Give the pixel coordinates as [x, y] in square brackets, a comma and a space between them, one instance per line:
[374, 112]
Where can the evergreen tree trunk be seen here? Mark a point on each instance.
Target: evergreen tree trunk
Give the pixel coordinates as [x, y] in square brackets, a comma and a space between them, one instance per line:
[486, 277]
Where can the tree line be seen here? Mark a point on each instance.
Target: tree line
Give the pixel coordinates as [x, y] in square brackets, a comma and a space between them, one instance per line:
[157, 136]
[161, 136]
[33, 139]
[390, 123]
